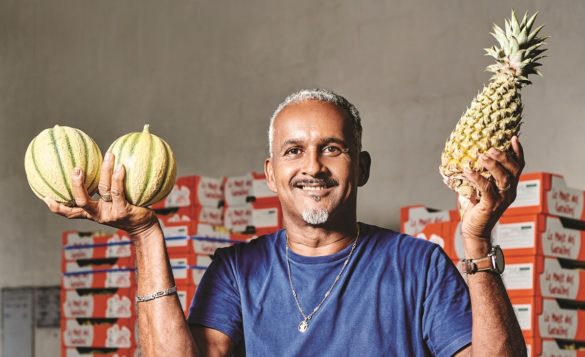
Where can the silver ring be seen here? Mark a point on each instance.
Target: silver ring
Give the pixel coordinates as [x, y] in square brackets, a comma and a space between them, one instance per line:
[106, 197]
[502, 190]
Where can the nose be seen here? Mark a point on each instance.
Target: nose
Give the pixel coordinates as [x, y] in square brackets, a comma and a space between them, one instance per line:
[313, 163]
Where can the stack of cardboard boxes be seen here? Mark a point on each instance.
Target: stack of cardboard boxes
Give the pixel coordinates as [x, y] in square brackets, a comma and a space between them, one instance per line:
[200, 215]
[97, 295]
[250, 207]
[543, 238]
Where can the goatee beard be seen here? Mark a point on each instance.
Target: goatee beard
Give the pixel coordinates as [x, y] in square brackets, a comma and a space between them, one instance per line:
[315, 216]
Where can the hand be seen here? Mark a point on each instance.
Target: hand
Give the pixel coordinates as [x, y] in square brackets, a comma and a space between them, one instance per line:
[116, 212]
[497, 193]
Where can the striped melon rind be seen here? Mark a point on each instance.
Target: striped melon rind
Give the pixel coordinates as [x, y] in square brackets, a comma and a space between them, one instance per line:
[150, 166]
[51, 157]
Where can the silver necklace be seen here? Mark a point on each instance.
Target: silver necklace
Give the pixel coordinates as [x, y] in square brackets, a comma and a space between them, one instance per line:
[304, 325]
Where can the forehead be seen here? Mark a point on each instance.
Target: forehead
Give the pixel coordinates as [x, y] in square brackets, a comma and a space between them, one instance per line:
[312, 120]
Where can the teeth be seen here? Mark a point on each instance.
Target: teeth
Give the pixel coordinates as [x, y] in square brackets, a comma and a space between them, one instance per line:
[313, 188]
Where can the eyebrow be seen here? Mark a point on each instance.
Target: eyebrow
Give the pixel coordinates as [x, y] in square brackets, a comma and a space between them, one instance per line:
[327, 140]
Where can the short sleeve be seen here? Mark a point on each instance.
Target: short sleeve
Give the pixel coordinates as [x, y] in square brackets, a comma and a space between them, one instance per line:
[217, 301]
[447, 307]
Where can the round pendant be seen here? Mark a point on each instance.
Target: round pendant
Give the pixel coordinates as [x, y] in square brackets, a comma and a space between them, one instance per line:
[303, 326]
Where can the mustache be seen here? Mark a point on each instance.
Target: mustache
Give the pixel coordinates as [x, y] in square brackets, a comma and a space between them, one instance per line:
[326, 181]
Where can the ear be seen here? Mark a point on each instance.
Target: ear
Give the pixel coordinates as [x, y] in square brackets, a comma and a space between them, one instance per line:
[269, 172]
[365, 163]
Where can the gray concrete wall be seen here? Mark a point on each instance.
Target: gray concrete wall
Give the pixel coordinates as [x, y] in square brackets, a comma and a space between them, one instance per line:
[207, 74]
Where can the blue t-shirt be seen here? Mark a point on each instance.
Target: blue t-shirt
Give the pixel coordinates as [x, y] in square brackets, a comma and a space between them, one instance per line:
[399, 296]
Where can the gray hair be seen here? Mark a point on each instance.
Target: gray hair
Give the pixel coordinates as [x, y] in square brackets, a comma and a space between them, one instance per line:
[322, 95]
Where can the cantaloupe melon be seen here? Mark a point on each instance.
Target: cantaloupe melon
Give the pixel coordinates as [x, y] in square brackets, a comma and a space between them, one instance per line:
[51, 157]
[150, 166]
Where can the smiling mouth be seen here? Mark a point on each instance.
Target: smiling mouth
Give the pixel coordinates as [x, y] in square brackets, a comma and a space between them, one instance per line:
[315, 186]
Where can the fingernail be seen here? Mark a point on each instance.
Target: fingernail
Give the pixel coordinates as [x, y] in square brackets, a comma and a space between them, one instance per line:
[493, 151]
[467, 170]
[47, 202]
[77, 172]
[108, 156]
[118, 168]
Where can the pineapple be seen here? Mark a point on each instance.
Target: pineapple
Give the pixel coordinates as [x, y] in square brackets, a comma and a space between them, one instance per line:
[495, 114]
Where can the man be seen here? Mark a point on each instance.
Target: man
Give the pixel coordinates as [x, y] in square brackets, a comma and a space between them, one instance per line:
[325, 285]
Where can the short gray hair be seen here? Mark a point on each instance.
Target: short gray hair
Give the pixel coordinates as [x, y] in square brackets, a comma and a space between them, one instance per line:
[322, 95]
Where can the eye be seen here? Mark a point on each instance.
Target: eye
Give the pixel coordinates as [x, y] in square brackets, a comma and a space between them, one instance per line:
[332, 150]
[294, 151]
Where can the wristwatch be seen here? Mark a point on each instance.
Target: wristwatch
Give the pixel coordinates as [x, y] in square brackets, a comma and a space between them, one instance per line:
[493, 262]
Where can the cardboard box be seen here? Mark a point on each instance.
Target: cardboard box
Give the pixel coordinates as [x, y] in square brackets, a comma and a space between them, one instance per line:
[117, 245]
[543, 192]
[438, 233]
[91, 265]
[536, 234]
[186, 294]
[117, 277]
[84, 237]
[250, 187]
[189, 274]
[193, 191]
[538, 347]
[544, 277]
[99, 352]
[98, 303]
[258, 218]
[540, 235]
[414, 218]
[118, 333]
[207, 246]
[200, 214]
[178, 235]
[545, 318]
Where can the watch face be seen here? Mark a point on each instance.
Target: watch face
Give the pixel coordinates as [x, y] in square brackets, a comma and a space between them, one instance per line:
[499, 263]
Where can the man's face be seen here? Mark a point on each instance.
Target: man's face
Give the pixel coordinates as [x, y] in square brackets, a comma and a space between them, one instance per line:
[315, 167]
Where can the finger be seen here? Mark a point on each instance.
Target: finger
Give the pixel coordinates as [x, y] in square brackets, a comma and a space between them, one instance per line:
[485, 187]
[506, 161]
[518, 151]
[79, 191]
[68, 212]
[498, 171]
[118, 197]
[106, 174]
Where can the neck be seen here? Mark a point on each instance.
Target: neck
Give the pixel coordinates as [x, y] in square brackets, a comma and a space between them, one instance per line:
[308, 240]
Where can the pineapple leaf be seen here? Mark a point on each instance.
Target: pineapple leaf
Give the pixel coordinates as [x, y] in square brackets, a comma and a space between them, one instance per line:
[508, 28]
[534, 33]
[531, 21]
[514, 22]
[522, 36]
[524, 19]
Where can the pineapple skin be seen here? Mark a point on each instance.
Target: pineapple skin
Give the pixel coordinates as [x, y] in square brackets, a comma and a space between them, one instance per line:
[494, 117]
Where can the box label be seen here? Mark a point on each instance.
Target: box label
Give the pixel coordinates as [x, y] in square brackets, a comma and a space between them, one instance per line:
[558, 241]
[518, 276]
[557, 323]
[524, 315]
[564, 201]
[119, 337]
[558, 282]
[119, 306]
[515, 235]
[118, 279]
[179, 266]
[527, 194]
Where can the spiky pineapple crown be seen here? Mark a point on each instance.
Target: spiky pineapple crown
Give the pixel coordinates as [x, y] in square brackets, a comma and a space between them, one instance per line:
[519, 52]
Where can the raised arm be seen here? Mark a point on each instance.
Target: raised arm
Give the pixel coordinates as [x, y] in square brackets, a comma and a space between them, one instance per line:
[163, 328]
[496, 331]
